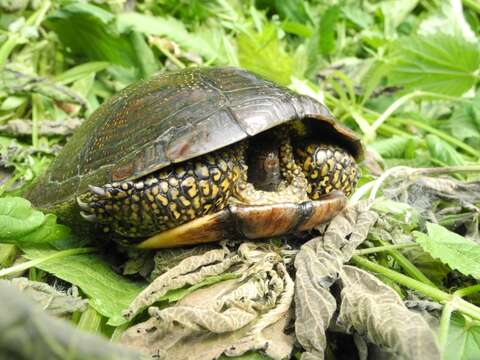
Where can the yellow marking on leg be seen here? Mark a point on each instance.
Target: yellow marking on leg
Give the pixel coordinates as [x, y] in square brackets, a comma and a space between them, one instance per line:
[204, 187]
[215, 191]
[185, 202]
[225, 185]
[163, 200]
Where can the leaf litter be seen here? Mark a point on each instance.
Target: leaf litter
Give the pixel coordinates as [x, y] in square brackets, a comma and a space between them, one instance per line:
[232, 317]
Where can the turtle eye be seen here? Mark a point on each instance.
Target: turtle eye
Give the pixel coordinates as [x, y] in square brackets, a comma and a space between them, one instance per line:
[327, 167]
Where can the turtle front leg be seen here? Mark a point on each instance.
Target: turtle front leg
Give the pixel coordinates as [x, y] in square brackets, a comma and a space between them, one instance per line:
[164, 199]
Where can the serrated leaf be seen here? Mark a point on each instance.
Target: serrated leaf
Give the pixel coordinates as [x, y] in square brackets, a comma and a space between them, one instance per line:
[263, 53]
[448, 20]
[317, 266]
[394, 13]
[372, 77]
[399, 210]
[438, 62]
[108, 292]
[20, 224]
[463, 124]
[376, 311]
[393, 147]
[463, 341]
[442, 151]
[452, 249]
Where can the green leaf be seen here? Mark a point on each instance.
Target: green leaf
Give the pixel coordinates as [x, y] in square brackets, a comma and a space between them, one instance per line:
[442, 151]
[169, 27]
[439, 63]
[81, 71]
[12, 102]
[357, 15]
[372, 77]
[263, 53]
[464, 122]
[292, 10]
[452, 249]
[108, 292]
[297, 29]
[394, 147]
[20, 224]
[394, 13]
[399, 210]
[463, 341]
[327, 28]
[146, 58]
[90, 31]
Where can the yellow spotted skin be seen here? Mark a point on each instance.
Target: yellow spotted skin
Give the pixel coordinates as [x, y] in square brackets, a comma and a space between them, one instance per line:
[327, 168]
[205, 185]
[169, 197]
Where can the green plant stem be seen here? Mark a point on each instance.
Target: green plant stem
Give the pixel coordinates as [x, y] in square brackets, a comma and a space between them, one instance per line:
[36, 103]
[427, 290]
[472, 4]
[467, 291]
[32, 263]
[405, 98]
[391, 130]
[445, 325]
[90, 321]
[440, 134]
[432, 130]
[377, 249]
[410, 268]
[407, 266]
[7, 47]
[393, 107]
[119, 330]
[170, 56]
[8, 253]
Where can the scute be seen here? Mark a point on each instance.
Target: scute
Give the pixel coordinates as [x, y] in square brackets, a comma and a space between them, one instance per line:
[170, 118]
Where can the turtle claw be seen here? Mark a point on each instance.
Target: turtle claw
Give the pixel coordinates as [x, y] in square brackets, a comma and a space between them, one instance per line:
[88, 217]
[97, 191]
[83, 205]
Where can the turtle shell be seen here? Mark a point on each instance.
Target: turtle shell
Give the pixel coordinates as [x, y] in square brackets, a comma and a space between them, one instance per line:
[170, 118]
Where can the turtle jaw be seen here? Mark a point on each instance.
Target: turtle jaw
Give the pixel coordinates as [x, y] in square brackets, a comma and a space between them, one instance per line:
[251, 222]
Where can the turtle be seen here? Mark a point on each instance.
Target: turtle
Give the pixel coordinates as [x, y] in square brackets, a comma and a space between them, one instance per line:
[198, 155]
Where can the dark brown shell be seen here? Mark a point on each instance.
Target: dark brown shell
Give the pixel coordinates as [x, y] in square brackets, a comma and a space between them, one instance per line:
[170, 118]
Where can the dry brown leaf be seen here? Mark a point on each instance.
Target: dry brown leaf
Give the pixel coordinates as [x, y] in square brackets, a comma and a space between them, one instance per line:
[232, 317]
[318, 264]
[375, 311]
